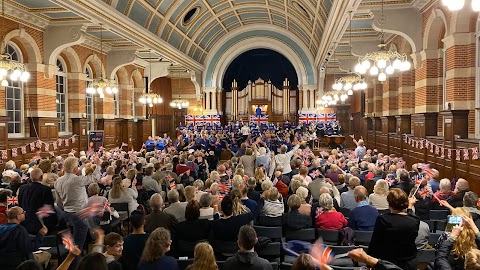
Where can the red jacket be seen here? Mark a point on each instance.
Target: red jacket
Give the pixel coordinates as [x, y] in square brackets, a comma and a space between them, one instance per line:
[330, 221]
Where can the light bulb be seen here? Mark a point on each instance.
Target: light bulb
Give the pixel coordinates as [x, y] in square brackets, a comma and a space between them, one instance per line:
[374, 71]
[109, 90]
[456, 5]
[364, 85]
[336, 97]
[160, 100]
[366, 64]
[350, 92]
[334, 86]
[347, 86]
[476, 5]
[150, 105]
[4, 83]
[389, 70]
[142, 100]
[397, 63]
[355, 87]
[102, 95]
[155, 100]
[99, 90]
[172, 104]
[405, 66]
[358, 68]
[17, 73]
[115, 90]
[25, 76]
[382, 77]
[382, 63]
[13, 77]
[149, 100]
[3, 72]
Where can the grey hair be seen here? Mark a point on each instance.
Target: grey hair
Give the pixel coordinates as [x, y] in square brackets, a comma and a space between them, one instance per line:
[325, 201]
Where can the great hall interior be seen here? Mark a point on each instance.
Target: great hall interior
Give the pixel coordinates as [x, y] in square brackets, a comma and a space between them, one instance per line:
[401, 74]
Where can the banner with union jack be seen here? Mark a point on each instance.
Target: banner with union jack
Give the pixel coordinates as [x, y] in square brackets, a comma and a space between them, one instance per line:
[259, 119]
[307, 118]
[193, 120]
[326, 117]
[211, 120]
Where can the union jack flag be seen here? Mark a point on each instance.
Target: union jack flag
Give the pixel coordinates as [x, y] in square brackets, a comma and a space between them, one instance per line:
[32, 146]
[475, 153]
[45, 211]
[259, 119]
[107, 207]
[193, 119]
[14, 152]
[12, 200]
[223, 189]
[38, 143]
[307, 118]
[67, 142]
[59, 142]
[314, 174]
[67, 240]
[55, 145]
[425, 193]
[211, 119]
[321, 254]
[331, 117]
[466, 155]
[90, 211]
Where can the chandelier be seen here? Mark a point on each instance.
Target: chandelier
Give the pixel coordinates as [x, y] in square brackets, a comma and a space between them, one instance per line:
[150, 99]
[332, 98]
[179, 103]
[454, 5]
[10, 68]
[350, 84]
[99, 85]
[382, 62]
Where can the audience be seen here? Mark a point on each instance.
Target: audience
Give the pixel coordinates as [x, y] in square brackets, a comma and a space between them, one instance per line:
[120, 194]
[158, 218]
[327, 217]
[378, 198]
[134, 243]
[294, 220]
[176, 208]
[193, 229]
[204, 258]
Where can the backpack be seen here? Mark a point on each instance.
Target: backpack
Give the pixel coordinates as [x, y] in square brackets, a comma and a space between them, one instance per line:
[348, 236]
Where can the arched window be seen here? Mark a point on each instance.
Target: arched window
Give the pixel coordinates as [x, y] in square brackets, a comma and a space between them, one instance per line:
[61, 87]
[116, 106]
[14, 98]
[89, 100]
[132, 99]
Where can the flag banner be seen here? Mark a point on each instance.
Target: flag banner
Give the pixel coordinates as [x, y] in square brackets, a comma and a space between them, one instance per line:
[193, 120]
[466, 155]
[211, 120]
[14, 152]
[307, 118]
[259, 119]
[475, 153]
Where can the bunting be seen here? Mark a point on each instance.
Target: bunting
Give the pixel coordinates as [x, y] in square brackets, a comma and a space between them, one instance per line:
[441, 151]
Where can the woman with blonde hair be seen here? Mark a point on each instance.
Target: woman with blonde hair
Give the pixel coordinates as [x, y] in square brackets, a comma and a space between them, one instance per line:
[451, 253]
[305, 208]
[120, 194]
[238, 207]
[260, 177]
[153, 255]
[130, 175]
[204, 258]
[378, 198]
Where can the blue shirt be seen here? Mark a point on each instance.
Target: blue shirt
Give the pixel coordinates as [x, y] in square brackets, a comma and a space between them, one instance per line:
[363, 217]
[435, 185]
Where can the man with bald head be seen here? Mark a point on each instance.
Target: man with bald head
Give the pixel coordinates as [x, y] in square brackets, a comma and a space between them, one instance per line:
[364, 216]
[222, 171]
[158, 218]
[461, 187]
[33, 196]
[16, 245]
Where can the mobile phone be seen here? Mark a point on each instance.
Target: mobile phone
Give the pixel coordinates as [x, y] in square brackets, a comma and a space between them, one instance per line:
[452, 221]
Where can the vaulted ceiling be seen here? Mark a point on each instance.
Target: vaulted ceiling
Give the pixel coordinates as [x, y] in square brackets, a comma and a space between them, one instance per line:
[187, 32]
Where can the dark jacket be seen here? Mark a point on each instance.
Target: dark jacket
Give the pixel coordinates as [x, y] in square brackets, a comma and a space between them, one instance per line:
[294, 221]
[161, 219]
[16, 245]
[31, 197]
[247, 261]
[193, 230]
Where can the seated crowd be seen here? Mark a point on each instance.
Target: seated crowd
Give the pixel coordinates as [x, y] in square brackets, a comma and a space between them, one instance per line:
[173, 196]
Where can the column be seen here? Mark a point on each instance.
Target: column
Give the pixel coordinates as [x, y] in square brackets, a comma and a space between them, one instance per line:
[390, 96]
[460, 76]
[305, 100]
[207, 101]
[312, 99]
[214, 100]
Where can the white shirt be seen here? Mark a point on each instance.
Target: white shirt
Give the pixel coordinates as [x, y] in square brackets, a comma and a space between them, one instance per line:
[245, 130]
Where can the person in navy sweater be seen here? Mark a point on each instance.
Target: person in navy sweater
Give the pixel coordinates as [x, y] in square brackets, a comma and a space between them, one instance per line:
[363, 216]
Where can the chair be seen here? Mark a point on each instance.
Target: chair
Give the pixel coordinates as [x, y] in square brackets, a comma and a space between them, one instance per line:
[269, 221]
[285, 266]
[270, 252]
[363, 237]
[122, 207]
[426, 255]
[334, 267]
[344, 261]
[221, 264]
[225, 249]
[57, 249]
[345, 212]
[433, 238]
[274, 233]
[438, 217]
[186, 248]
[307, 235]
[329, 237]
[183, 264]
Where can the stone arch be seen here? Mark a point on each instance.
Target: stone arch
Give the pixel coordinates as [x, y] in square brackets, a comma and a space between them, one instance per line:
[137, 79]
[32, 50]
[461, 21]
[74, 64]
[95, 64]
[436, 21]
[122, 76]
[259, 42]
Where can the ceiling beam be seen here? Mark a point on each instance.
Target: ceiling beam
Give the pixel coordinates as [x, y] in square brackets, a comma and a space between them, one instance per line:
[98, 11]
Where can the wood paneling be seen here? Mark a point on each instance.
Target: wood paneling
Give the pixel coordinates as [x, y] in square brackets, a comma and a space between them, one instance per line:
[393, 143]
